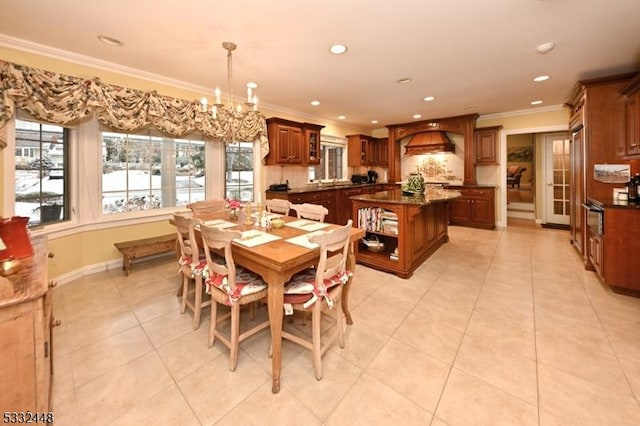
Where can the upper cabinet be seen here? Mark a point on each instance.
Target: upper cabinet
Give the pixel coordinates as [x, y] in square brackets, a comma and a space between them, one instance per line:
[291, 142]
[486, 145]
[632, 117]
[312, 143]
[382, 151]
[368, 151]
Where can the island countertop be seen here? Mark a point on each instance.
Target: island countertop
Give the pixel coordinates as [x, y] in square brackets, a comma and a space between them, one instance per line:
[396, 196]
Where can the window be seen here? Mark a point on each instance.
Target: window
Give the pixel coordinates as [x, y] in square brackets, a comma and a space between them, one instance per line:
[239, 171]
[332, 161]
[41, 175]
[145, 171]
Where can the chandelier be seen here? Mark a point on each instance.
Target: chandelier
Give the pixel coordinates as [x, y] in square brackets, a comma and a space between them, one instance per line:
[229, 118]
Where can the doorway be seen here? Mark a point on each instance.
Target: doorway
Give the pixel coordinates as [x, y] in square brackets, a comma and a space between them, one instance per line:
[520, 182]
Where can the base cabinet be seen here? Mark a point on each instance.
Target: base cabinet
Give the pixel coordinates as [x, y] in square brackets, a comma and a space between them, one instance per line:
[595, 252]
[475, 208]
[615, 254]
[25, 333]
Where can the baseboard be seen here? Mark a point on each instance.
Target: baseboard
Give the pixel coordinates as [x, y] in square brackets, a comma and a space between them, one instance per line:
[100, 267]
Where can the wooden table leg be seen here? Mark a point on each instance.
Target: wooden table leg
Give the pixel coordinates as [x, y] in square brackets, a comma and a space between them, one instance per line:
[351, 266]
[275, 296]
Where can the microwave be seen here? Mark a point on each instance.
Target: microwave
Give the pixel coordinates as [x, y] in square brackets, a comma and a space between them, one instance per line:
[595, 218]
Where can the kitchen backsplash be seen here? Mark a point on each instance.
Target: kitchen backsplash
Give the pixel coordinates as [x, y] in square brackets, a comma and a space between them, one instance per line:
[439, 167]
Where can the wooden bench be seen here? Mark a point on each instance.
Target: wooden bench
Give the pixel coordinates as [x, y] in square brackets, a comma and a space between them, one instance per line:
[145, 247]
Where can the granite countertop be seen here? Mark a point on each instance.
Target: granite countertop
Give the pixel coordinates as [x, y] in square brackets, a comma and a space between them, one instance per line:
[327, 187]
[396, 196]
[612, 203]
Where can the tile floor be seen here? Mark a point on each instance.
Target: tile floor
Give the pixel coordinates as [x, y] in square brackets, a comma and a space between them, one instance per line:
[497, 328]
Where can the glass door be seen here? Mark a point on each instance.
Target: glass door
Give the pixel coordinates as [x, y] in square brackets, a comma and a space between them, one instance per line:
[558, 178]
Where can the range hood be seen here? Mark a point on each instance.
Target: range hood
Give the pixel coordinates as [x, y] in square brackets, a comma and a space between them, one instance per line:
[429, 142]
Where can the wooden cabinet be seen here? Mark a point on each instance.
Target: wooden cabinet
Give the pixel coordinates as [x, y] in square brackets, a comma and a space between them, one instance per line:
[361, 150]
[619, 247]
[293, 143]
[312, 143]
[595, 252]
[486, 145]
[577, 197]
[367, 151]
[25, 332]
[326, 198]
[475, 208]
[632, 118]
[597, 127]
[382, 152]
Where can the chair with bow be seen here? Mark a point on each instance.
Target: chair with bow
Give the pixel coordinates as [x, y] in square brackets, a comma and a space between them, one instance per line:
[192, 262]
[319, 290]
[231, 286]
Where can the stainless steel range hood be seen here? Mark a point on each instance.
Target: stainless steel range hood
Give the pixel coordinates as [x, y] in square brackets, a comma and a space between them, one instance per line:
[429, 143]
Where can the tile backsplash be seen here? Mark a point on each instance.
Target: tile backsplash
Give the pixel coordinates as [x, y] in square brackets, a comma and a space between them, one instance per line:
[438, 167]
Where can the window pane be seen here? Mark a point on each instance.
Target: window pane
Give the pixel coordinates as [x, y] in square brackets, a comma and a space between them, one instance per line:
[143, 172]
[330, 166]
[239, 171]
[41, 186]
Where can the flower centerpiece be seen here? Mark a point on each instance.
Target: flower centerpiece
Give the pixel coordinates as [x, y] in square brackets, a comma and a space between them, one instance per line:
[234, 207]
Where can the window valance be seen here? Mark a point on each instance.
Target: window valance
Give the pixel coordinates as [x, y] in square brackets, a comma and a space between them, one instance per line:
[62, 99]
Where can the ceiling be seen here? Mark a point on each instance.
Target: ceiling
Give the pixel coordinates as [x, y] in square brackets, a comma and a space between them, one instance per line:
[473, 56]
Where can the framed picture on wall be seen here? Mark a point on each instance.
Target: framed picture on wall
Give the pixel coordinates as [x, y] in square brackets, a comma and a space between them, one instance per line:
[520, 154]
[612, 173]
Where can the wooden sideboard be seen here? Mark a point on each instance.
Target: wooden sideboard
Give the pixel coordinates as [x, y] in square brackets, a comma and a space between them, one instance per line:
[25, 333]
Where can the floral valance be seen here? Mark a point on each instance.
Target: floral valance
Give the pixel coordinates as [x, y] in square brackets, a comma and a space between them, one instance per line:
[62, 99]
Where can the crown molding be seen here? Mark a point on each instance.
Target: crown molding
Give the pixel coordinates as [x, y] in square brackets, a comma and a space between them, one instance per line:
[530, 111]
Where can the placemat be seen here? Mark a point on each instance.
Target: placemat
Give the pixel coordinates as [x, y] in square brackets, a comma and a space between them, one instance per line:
[307, 225]
[303, 240]
[219, 223]
[253, 237]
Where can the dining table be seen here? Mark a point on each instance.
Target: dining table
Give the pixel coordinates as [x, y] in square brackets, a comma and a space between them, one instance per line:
[276, 254]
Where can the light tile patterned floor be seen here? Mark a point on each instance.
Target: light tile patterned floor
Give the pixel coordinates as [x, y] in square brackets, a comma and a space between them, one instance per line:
[497, 328]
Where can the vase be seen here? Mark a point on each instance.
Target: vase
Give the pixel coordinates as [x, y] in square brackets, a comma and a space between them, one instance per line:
[233, 214]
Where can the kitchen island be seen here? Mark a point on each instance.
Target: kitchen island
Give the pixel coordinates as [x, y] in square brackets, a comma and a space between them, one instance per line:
[401, 231]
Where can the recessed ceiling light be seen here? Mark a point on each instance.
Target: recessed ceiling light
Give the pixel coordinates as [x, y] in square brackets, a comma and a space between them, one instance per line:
[404, 80]
[417, 115]
[538, 102]
[342, 117]
[541, 78]
[374, 121]
[338, 49]
[315, 103]
[252, 85]
[109, 41]
[429, 98]
[470, 108]
[545, 47]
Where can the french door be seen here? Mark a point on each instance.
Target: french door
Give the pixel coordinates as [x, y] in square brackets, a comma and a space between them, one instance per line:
[558, 178]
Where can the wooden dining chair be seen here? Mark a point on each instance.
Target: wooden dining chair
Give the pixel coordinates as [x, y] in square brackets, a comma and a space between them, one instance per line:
[318, 290]
[232, 286]
[310, 211]
[278, 206]
[207, 206]
[192, 262]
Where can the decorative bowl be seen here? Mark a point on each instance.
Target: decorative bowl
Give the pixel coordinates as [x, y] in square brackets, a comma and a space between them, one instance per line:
[374, 245]
[277, 223]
